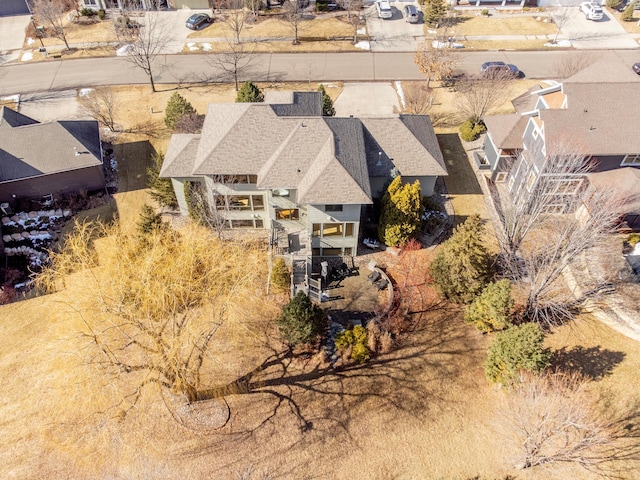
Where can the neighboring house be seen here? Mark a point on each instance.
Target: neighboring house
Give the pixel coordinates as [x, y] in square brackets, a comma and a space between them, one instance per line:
[143, 4]
[281, 165]
[38, 159]
[594, 119]
[14, 7]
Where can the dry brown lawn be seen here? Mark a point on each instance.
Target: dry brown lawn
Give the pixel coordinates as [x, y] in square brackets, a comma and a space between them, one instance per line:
[269, 27]
[630, 27]
[467, 25]
[512, 45]
[101, 31]
[277, 46]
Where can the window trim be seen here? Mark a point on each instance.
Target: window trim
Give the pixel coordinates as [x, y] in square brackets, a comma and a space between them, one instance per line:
[635, 159]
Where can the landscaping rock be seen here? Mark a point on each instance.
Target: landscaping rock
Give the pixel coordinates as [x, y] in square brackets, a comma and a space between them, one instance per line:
[6, 220]
[25, 234]
[16, 236]
[33, 215]
[7, 238]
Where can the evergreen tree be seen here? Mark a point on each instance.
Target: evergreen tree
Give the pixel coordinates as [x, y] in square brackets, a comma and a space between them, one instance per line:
[401, 213]
[280, 275]
[460, 269]
[327, 103]
[150, 221]
[517, 348]
[301, 321]
[161, 189]
[176, 108]
[434, 12]
[627, 13]
[491, 309]
[249, 93]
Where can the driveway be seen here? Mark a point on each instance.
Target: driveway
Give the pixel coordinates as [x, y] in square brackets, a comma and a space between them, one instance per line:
[588, 34]
[367, 100]
[12, 33]
[394, 34]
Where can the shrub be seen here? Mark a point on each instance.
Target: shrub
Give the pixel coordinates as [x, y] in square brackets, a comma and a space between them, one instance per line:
[88, 12]
[161, 189]
[356, 338]
[401, 213]
[627, 13]
[150, 221]
[633, 239]
[280, 275]
[491, 309]
[470, 131]
[517, 348]
[461, 268]
[484, 12]
[301, 321]
[327, 103]
[101, 14]
[177, 107]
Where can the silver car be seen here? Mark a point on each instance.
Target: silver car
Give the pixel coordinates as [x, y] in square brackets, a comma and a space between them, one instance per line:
[411, 14]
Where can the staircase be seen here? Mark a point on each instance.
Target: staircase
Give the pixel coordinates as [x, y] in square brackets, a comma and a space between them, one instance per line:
[298, 274]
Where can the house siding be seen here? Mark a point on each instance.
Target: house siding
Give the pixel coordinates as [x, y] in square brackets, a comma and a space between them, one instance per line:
[349, 214]
[90, 179]
[490, 152]
[605, 163]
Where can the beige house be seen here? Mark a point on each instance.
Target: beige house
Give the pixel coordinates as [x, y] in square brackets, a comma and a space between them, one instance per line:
[281, 165]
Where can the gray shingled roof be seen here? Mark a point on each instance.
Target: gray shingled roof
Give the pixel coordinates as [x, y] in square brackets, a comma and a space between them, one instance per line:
[407, 143]
[624, 182]
[31, 149]
[181, 153]
[601, 119]
[295, 104]
[609, 69]
[328, 160]
[506, 130]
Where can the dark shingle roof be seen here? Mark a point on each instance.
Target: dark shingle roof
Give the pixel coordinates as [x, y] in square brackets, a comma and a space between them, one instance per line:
[297, 104]
[30, 148]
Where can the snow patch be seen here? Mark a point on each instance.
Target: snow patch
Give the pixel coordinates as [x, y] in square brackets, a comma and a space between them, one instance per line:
[364, 45]
[206, 47]
[124, 50]
[26, 56]
[30, 41]
[361, 31]
[11, 98]
[438, 44]
[400, 93]
[83, 92]
[559, 43]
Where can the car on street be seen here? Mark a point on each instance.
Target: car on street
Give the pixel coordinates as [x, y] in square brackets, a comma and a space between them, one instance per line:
[636, 68]
[494, 69]
[592, 10]
[411, 14]
[195, 21]
[384, 9]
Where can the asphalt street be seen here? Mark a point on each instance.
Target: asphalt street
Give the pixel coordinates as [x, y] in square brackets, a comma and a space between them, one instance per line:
[272, 67]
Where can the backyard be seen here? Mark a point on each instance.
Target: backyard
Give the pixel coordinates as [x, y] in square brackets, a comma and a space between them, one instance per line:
[424, 410]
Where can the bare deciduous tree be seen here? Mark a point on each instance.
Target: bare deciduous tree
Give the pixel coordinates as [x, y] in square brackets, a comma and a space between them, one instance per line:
[234, 62]
[293, 16]
[235, 18]
[561, 17]
[354, 16]
[553, 419]
[434, 63]
[51, 13]
[417, 98]
[102, 104]
[477, 95]
[146, 40]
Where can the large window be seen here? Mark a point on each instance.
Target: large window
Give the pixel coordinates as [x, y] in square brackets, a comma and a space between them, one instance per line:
[240, 202]
[255, 223]
[332, 229]
[287, 214]
[631, 160]
[568, 187]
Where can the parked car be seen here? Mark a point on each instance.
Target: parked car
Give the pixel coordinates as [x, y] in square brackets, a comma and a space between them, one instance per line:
[195, 21]
[492, 69]
[384, 9]
[411, 14]
[592, 10]
[636, 68]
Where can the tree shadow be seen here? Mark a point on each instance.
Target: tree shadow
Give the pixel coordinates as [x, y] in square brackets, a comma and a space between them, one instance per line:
[592, 362]
[461, 179]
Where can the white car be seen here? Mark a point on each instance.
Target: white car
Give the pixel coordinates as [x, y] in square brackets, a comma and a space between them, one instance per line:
[592, 10]
[384, 9]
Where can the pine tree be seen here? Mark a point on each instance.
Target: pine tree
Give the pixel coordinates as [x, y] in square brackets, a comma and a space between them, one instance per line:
[517, 348]
[280, 274]
[176, 108]
[301, 321]
[492, 308]
[460, 269]
[627, 13]
[401, 213]
[161, 189]
[249, 93]
[150, 221]
[434, 12]
[327, 103]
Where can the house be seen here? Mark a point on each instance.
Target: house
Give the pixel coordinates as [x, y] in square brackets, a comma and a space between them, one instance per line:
[281, 165]
[38, 159]
[589, 116]
[133, 5]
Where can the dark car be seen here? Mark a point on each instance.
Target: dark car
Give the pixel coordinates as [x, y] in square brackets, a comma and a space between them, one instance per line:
[492, 69]
[411, 14]
[636, 68]
[195, 21]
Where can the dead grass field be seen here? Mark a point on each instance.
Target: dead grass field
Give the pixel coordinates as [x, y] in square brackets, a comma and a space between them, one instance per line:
[277, 46]
[468, 25]
[269, 27]
[482, 45]
[100, 31]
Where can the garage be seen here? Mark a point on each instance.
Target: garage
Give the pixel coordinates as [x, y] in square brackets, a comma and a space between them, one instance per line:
[13, 7]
